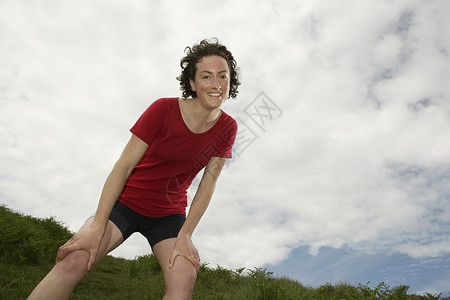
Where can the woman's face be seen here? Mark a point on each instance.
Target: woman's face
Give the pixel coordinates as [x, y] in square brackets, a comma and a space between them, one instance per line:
[212, 81]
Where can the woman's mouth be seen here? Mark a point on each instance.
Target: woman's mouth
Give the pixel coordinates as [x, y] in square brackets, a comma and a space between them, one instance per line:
[215, 94]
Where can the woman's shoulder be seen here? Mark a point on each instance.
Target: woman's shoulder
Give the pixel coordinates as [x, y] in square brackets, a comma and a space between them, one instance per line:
[165, 104]
[227, 117]
[168, 101]
[228, 121]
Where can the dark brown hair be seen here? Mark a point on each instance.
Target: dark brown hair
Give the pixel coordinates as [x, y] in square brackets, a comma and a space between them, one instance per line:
[195, 54]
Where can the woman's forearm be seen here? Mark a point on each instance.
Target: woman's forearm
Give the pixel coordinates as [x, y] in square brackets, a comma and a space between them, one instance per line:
[111, 190]
[198, 208]
[203, 195]
[115, 182]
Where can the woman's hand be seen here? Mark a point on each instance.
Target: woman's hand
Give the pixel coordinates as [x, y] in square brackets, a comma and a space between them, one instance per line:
[86, 239]
[185, 248]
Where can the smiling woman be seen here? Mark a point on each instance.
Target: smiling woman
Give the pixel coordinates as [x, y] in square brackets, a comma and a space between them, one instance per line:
[193, 56]
[146, 192]
[211, 85]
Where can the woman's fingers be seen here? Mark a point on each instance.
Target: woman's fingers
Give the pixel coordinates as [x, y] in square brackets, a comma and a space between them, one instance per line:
[195, 262]
[91, 262]
[194, 259]
[63, 250]
[172, 258]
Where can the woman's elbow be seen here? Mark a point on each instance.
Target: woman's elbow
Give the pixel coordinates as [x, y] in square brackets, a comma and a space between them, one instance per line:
[123, 168]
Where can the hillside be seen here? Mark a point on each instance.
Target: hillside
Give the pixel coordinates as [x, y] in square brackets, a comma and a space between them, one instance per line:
[28, 247]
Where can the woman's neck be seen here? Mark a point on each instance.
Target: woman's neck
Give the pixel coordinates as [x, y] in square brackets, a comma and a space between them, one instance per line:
[196, 117]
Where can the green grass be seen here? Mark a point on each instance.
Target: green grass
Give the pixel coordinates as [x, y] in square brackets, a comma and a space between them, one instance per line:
[28, 247]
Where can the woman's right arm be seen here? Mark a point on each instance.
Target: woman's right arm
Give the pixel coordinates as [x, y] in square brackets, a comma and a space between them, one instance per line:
[115, 182]
[89, 240]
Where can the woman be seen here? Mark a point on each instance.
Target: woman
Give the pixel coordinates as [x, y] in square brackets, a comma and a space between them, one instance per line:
[146, 191]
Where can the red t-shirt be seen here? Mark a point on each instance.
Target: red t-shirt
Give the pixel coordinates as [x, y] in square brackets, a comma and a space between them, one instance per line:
[158, 184]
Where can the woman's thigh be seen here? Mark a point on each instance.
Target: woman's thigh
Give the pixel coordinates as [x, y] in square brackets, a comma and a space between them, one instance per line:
[111, 238]
[180, 279]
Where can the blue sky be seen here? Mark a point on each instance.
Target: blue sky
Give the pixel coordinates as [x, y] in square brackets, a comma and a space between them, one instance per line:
[343, 265]
[342, 156]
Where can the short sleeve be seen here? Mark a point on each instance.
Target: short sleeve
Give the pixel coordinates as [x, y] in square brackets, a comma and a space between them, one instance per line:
[148, 125]
[228, 137]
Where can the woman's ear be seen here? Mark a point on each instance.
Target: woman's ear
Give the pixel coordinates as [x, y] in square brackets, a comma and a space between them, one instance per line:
[192, 84]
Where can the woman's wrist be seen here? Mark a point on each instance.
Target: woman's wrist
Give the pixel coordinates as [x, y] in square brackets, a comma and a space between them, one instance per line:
[98, 226]
[184, 234]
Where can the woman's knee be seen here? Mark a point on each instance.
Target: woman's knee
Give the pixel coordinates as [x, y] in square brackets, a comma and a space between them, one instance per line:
[74, 263]
[189, 276]
[180, 283]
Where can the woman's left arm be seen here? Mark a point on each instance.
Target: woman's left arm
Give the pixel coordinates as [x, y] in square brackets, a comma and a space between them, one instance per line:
[184, 246]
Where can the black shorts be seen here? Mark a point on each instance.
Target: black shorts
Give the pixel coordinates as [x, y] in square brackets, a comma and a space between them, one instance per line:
[154, 229]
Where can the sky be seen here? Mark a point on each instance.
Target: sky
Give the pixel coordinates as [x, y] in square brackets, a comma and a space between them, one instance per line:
[341, 165]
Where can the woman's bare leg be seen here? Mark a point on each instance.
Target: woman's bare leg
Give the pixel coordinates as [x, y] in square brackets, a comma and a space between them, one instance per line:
[180, 279]
[66, 274]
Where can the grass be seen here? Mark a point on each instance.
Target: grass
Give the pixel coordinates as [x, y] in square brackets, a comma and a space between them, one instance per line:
[28, 247]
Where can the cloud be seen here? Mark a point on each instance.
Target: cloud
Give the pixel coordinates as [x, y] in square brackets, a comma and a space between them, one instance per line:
[357, 117]
[358, 158]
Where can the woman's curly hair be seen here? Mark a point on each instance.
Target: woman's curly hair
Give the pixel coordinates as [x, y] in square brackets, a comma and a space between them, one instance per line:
[195, 54]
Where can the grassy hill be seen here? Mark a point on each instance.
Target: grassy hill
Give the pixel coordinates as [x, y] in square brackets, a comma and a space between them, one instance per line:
[28, 247]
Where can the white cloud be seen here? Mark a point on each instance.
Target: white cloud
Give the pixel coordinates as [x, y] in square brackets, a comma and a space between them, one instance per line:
[359, 156]
[326, 171]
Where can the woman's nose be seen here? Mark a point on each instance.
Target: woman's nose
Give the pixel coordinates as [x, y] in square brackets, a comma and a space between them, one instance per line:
[215, 83]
